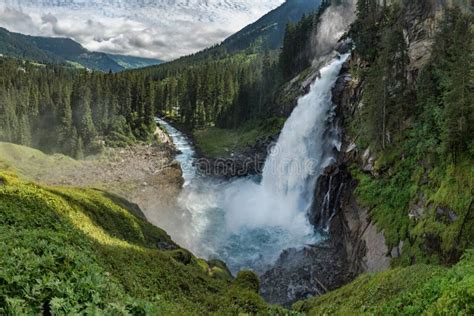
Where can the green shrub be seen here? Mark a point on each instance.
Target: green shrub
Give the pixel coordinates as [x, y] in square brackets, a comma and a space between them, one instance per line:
[247, 280]
[415, 290]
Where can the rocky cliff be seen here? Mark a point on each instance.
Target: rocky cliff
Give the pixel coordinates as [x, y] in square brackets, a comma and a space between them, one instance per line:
[354, 244]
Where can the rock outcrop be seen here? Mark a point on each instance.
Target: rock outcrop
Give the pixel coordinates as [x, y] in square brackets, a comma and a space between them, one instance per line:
[249, 161]
[353, 244]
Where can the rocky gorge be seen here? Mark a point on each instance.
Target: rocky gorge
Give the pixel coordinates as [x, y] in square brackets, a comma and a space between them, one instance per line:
[353, 244]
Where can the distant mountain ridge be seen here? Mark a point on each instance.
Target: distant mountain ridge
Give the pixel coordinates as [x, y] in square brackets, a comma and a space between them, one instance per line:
[265, 34]
[65, 50]
[133, 62]
[270, 28]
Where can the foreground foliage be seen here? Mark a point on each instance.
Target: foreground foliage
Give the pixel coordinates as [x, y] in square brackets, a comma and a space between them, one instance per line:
[75, 251]
[415, 290]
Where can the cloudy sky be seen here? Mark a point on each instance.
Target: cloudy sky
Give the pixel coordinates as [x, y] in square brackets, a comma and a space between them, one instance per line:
[164, 29]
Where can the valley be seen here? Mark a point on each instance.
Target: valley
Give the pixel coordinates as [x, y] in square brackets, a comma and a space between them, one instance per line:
[318, 162]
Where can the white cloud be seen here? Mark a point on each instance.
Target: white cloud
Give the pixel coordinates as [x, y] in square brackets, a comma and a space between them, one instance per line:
[163, 29]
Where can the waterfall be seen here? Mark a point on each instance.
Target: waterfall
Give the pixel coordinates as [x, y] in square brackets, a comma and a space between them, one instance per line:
[248, 222]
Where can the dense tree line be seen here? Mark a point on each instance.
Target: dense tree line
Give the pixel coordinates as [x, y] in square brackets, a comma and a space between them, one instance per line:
[447, 86]
[227, 90]
[297, 52]
[76, 112]
[58, 109]
[439, 106]
[222, 92]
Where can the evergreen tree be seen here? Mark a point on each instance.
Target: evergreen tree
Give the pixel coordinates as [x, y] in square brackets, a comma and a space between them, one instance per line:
[457, 84]
[82, 114]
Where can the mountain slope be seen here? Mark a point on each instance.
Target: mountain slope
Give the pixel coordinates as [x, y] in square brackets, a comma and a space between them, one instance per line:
[74, 251]
[64, 50]
[268, 31]
[53, 50]
[263, 35]
[72, 51]
[18, 45]
[132, 62]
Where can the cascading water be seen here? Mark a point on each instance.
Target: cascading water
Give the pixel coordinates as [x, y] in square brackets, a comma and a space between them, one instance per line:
[246, 222]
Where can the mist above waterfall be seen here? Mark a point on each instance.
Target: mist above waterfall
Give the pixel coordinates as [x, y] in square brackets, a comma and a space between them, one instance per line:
[334, 22]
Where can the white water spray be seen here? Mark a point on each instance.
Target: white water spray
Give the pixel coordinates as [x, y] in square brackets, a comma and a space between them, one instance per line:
[335, 21]
[248, 223]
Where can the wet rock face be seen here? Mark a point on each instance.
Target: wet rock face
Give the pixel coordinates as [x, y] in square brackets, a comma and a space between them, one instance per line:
[330, 188]
[250, 161]
[300, 274]
[354, 245]
[316, 269]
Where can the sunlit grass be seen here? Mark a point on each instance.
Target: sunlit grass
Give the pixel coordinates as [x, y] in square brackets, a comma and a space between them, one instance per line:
[415, 290]
[70, 251]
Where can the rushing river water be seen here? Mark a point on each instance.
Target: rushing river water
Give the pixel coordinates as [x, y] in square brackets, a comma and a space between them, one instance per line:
[186, 155]
[247, 222]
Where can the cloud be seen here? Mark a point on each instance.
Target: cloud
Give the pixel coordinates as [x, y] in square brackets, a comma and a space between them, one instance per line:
[160, 29]
[20, 21]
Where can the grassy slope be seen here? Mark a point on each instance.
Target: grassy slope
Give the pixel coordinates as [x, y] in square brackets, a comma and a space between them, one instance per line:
[440, 189]
[71, 250]
[415, 290]
[218, 142]
[25, 160]
[75, 250]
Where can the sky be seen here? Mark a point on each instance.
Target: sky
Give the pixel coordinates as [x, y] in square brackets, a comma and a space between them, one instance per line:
[163, 29]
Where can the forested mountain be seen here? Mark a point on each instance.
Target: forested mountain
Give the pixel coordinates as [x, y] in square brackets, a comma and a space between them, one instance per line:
[65, 51]
[224, 91]
[267, 32]
[231, 84]
[74, 112]
[132, 62]
[71, 51]
[71, 111]
[18, 45]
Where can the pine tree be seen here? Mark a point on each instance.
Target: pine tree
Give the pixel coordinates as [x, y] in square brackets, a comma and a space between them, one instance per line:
[79, 154]
[82, 114]
[458, 88]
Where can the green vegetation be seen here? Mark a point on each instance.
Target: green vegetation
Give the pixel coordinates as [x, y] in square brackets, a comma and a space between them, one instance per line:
[248, 280]
[444, 227]
[218, 142]
[421, 132]
[131, 62]
[297, 52]
[74, 112]
[83, 251]
[75, 251]
[415, 290]
[226, 87]
[29, 162]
